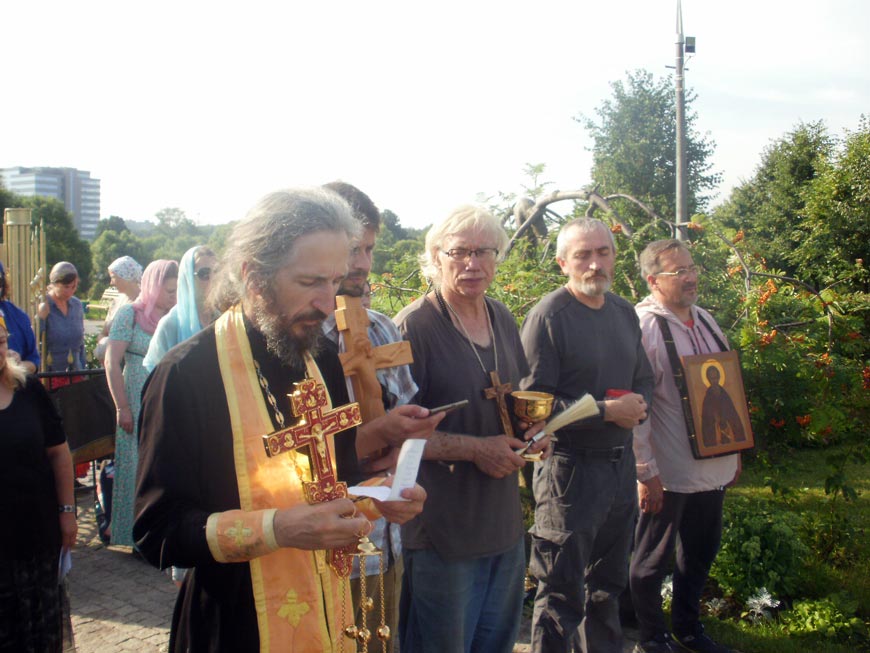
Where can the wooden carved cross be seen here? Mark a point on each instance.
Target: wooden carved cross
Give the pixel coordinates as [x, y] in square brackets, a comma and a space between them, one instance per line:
[308, 401]
[361, 360]
[497, 392]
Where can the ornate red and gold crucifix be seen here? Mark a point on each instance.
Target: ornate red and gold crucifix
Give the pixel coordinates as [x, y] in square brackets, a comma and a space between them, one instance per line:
[308, 401]
[497, 392]
[361, 360]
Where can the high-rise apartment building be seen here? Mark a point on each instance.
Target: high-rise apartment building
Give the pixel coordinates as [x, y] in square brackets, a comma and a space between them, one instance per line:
[79, 193]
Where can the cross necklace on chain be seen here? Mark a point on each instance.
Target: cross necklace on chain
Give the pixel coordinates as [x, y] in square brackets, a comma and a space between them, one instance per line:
[445, 307]
[279, 417]
[498, 390]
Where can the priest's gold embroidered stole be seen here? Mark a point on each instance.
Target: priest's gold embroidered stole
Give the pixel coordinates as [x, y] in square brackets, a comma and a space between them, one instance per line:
[308, 401]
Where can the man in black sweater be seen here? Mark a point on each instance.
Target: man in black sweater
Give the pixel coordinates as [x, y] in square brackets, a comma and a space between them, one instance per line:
[583, 339]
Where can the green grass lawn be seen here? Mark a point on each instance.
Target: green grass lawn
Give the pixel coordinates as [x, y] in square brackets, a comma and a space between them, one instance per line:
[96, 312]
[804, 473]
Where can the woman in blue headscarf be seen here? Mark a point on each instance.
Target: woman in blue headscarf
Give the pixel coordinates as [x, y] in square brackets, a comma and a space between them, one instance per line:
[189, 315]
[22, 341]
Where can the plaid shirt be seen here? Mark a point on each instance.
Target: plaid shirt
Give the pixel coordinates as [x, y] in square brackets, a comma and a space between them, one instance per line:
[397, 381]
[399, 386]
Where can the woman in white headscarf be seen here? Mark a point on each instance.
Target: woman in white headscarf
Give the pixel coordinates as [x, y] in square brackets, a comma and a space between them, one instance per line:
[124, 274]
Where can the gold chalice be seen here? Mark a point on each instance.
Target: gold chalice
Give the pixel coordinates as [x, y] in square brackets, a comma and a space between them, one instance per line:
[532, 407]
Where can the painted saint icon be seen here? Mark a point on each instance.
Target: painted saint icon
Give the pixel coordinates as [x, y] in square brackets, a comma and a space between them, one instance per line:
[720, 421]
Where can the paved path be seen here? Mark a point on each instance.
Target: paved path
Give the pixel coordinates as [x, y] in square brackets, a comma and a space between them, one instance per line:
[117, 601]
[93, 326]
[120, 603]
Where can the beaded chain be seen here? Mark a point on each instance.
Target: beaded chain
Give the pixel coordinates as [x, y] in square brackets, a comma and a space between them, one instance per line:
[279, 417]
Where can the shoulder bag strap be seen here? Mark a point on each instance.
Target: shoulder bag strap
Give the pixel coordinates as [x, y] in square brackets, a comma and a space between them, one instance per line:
[722, 345]
[679, 379]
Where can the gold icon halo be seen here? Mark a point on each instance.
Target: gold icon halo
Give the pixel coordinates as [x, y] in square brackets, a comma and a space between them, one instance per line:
[707, 364]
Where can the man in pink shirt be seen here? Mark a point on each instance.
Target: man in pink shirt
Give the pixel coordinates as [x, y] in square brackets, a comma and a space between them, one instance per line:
[680, 496]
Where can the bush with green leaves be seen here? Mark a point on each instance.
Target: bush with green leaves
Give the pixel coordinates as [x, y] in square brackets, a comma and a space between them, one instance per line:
[833, 616]
[760, 548]
[803, 353]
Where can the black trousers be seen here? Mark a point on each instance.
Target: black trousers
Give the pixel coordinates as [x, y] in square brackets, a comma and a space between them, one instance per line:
[688, 528]
[581, 541]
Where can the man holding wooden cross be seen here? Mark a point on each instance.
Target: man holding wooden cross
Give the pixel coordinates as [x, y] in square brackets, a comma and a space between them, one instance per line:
[375, 360]
[245, 432]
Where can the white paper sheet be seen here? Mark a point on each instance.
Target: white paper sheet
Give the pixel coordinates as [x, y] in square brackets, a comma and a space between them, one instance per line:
[406, 470]
[378, 492]
[64, 564]
[406, 474]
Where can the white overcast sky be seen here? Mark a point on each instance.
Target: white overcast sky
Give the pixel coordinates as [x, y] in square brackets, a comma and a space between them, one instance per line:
[208, 105]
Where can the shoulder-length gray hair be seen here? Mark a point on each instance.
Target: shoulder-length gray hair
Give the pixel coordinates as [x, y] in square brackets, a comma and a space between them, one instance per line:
[468, 217]
[266, 236]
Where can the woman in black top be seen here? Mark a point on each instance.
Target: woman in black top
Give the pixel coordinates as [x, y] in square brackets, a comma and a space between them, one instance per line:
[36, 507]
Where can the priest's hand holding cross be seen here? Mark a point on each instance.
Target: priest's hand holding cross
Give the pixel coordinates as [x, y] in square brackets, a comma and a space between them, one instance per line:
[330, 525]
[337, 523]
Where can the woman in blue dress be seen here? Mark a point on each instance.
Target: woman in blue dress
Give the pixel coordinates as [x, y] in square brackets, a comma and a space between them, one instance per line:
[129, 338]
[63, 320]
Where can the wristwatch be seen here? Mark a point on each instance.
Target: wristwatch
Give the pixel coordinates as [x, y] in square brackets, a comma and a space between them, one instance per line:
[66, 508]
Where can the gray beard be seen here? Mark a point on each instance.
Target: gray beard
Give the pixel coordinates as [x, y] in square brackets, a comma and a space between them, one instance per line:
[594, 287]
[280, 341]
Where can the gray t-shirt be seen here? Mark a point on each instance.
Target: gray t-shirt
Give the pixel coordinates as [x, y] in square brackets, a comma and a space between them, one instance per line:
[467, 514]
[573, 349]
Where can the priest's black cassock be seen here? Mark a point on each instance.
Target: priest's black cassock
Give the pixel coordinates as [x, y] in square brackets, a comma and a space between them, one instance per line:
[187, 472]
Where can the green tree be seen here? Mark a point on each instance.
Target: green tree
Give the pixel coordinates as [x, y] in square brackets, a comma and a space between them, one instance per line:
[113, 223]
[108, 246]
[8, 199]
[537, 187]
[634, 147]
[62, 241]
[161, 247]
[395, 243]
[836, 229]
[391, 227]
[771, 206]
[217, 239]
[174, 222]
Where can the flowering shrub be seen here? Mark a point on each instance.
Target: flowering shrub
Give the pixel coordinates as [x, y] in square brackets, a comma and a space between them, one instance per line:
[802, 364]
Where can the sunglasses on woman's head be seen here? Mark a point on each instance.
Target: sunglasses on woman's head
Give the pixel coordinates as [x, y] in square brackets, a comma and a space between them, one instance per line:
[204, 274]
